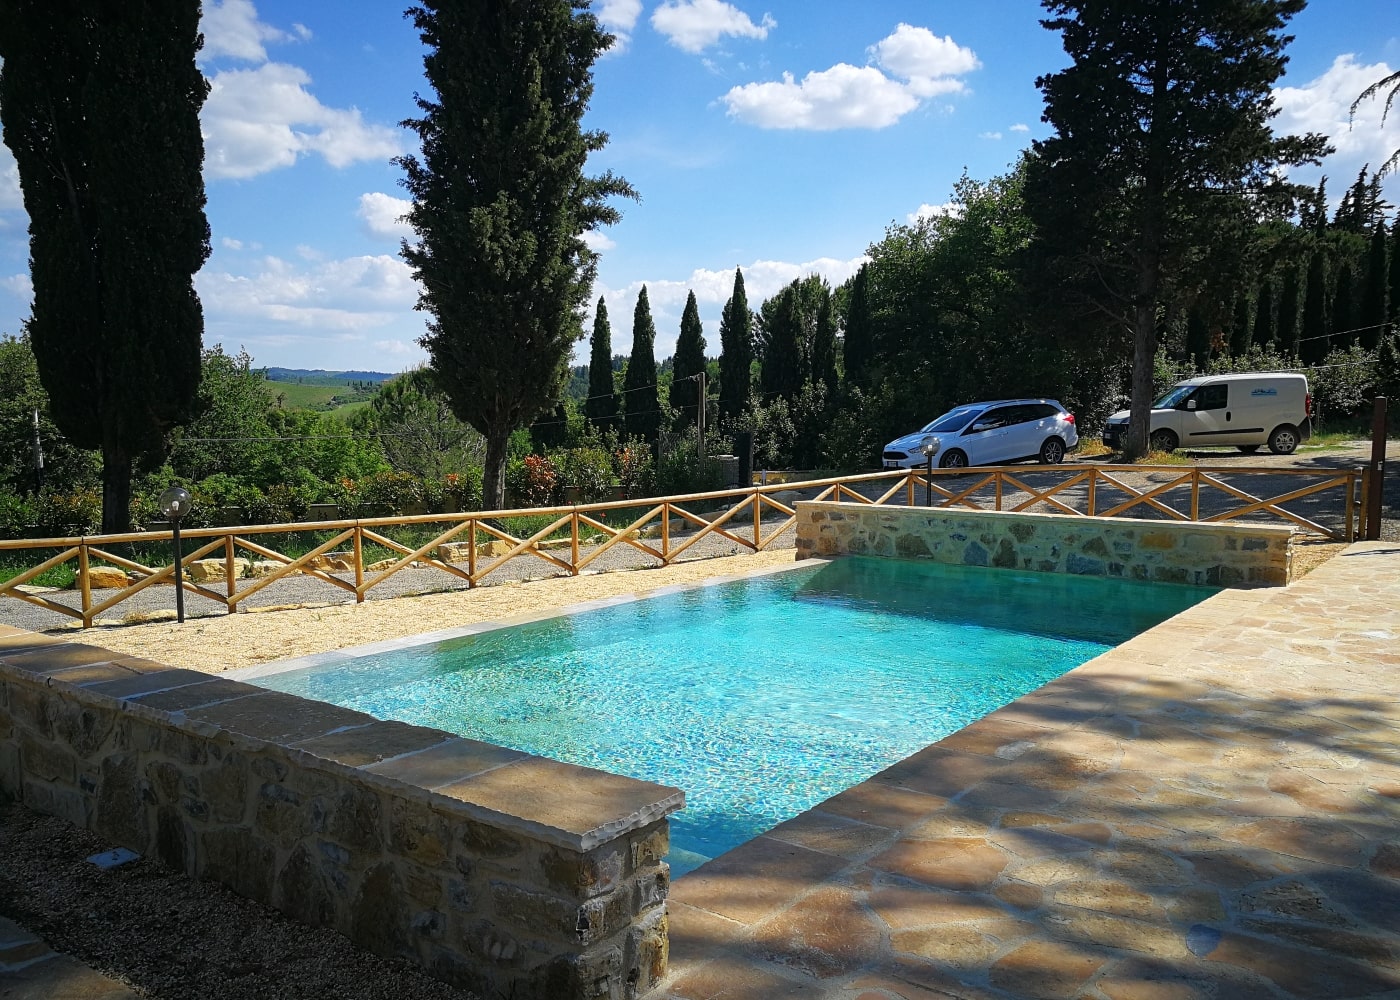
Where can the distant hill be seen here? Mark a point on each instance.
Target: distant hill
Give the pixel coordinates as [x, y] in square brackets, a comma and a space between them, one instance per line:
[319, 376]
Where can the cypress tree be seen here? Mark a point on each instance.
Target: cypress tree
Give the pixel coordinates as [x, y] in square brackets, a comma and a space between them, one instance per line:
[1240, 330]
[501, 205]
[1394, 281]
[100, 105]
[824, 342]
[1343, 325]
[601, 406]
[780, 371]
[641, 404]
[690, 362]
[1264, 315]
[1198, 337]
[858, 349]
[1288, 312]
[736, 352]
[1312, 344]
[1371, 316]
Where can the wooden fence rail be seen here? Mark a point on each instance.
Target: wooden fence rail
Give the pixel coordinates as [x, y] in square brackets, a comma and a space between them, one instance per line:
[1197, 493]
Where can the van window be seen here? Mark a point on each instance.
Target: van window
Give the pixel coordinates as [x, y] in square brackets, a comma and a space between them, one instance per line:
[1213, 397]
[1173, 397]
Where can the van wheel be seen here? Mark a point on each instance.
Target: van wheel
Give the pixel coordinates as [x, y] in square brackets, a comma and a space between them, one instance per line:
[1052, 452]
[1284, 440]
[1163, 440]
[1248, 449]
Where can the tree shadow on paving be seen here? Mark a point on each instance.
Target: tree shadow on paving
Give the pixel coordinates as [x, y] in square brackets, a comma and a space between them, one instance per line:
[1105, 836]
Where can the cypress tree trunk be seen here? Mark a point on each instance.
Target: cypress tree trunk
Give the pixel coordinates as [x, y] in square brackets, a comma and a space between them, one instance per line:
[116, 486]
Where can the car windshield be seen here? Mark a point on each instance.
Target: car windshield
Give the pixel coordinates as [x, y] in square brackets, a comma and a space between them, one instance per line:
[953, 420]
[1172, 397]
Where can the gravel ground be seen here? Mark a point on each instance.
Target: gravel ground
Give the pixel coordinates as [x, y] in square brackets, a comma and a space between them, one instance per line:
[169, 936]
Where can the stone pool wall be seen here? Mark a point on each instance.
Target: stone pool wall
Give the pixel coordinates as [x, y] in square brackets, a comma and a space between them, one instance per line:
[499, 872]
[1217, 555]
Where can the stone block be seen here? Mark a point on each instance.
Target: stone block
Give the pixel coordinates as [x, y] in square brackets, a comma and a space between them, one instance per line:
[378, 918]
[47, 760]
[106, 578]
[66, 803]
[582, 876]
[236, 857]
[84, 728]
[122, 795]
[215, 570]
[302, 892]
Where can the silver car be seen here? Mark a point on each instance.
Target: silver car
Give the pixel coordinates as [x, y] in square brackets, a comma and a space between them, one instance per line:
[1006, 430]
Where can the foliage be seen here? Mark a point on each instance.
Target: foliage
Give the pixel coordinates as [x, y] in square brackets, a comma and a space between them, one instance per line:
[689, 364]
[1148, 185]
[1393, 82]
[533, 482]
[101, 112]
[412, 419]
[636, 471]
[641, 402]
[602, 405]
[63, 513]
[21, 393]
[588, 469]
[501, 205]
[736, 352]
[683, 470]
[229, 431]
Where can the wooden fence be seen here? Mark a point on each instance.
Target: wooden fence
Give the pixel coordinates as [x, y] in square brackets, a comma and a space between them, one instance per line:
[664, 529]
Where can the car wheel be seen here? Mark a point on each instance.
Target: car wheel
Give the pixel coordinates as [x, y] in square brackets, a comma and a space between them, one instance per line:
[1163, 440]
[1284, 440]
[954, 459]
[1052, 452]
[1248, 449]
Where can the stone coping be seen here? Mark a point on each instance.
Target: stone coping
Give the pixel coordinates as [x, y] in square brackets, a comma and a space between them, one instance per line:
[563, 804]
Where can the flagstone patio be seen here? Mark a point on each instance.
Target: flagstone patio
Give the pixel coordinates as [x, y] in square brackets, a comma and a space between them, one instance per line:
[1209, 810]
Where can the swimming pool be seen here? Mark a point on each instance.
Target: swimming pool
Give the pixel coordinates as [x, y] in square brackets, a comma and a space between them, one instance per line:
[760, 697]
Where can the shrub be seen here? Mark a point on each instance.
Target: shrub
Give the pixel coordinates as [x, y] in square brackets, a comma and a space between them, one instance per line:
[17, 515]
[75, 513]
[461, 490]
[589, 469]
[396, 490]
[636, 472]
[682, 470]
[533, 482]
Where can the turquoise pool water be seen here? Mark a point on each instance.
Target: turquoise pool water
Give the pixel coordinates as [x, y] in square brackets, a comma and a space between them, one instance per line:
[760, 697]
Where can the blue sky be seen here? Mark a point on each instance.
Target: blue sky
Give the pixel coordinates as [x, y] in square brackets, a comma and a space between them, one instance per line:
[782, 137]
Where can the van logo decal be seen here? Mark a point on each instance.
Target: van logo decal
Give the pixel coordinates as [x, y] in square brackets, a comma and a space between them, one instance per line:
[1263, 392]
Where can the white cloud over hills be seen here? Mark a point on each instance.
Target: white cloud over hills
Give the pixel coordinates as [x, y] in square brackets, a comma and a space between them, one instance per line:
[911, 66]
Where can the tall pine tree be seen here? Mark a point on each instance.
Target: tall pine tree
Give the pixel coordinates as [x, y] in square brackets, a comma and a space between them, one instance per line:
[857, 349]
[1240, 330]
[689, 363]
[601, 407]
[1162, 140]
[501, 205]
[1312, 345]
[100, 105]
[1264, 315]
[736, 352]
[1288, 312]
[1343, 317]
[780, 368]
[1394, 280]
[824, 342]
[641, 402]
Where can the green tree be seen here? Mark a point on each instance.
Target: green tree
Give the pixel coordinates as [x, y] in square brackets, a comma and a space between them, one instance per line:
[781, 329]
[1264, 334]
[100, 105]
[736, 352]
[1343, 313]
[824, 342]
[412, 419]
[1313, 342]
[601, 407]
[1162, 151]
[230, 432]
[500, 206]
[1393, 82]
[66, 467]
[856, 346]
[1288, 312]
[1198, 347]
[641, 400]
[1372, 315]
[689, 363]
[1240, 329]
[1394, 280]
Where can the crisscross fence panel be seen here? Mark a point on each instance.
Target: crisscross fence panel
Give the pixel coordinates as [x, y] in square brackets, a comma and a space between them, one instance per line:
[472, 547]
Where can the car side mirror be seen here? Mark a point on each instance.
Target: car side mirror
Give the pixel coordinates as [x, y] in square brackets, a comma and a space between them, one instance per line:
[1190, 404]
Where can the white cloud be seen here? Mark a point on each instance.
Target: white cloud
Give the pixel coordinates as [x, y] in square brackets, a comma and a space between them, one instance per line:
[351, 295]
[598, 242]
[950, 209]
[383, 215]
[231, 244]
[1020, 127]
[619, 17]
[1321, 105]
[231, 28]
[19, 285]
[844, 96]
[847, 96]
[989, 135]
[262, 119]
[11, 197]
[400, 348]
[695, 25]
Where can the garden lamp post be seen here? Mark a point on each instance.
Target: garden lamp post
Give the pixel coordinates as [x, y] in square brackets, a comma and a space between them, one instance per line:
[929, 446]
[175, 504]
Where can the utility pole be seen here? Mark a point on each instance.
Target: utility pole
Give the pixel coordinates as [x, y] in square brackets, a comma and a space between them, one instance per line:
[700, 420]
[38, 456]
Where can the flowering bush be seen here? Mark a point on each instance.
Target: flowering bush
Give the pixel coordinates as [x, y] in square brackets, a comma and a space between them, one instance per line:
[533, 482]
[636, 471]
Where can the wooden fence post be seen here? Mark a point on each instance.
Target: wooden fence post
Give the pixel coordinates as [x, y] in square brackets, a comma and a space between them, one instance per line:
[1377, 470]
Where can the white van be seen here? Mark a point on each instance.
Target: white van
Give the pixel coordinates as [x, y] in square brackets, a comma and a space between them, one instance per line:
[1272, 408]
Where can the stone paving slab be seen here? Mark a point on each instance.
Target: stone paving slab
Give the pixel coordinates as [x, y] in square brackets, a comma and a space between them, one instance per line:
[1210, 810]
